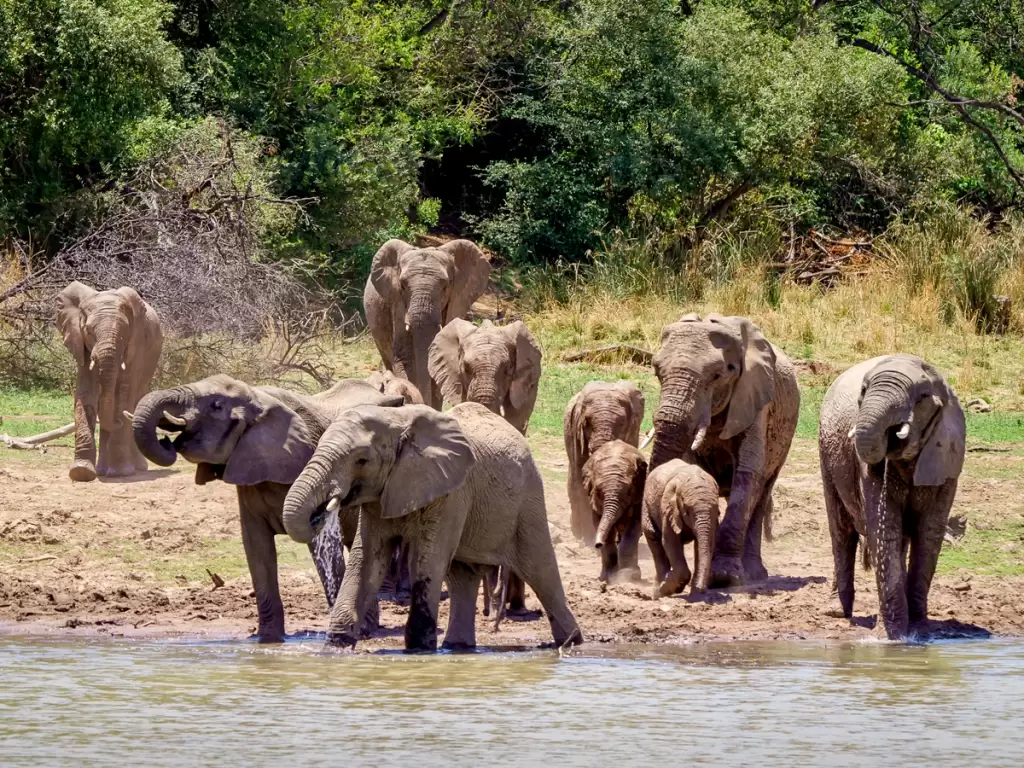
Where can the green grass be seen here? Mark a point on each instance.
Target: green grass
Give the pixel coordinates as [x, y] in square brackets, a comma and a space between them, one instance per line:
[995, 552]
[28, 412]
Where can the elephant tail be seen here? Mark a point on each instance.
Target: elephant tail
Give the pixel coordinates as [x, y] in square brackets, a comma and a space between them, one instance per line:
[865, 553]
[767, 525]
[503, 576]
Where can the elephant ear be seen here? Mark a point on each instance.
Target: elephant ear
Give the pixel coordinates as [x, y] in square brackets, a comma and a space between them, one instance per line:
[756, 385]
[274, 447]
[134, 303]
[472, 271]
[942, 456]
[587, 476]
[523, 390]
[574, 429]
[444, 359]
[432, 459]
[71, 318]
[636, 411]
[385, 273]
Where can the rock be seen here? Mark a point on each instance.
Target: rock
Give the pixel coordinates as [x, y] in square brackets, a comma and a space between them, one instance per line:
[146, 535]
[51, 537]
[977, 405]
[963, 587]
[556, 535]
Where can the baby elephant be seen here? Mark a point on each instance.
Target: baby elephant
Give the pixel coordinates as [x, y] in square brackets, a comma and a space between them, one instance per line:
[680, 505]
[613, 478]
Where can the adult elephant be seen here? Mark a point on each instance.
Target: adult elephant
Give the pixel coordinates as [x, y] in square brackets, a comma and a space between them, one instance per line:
[498, 367]
[115, 339]
[729, 403]
[461, 488]
[411, 294]
[601, 412]
[257, 439]
[892, 446]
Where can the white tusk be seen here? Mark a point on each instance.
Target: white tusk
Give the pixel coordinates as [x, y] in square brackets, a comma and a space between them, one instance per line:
[647, 439]
[333, 505]
[122, 366]
[904, 431]
[92, 363]
[176, 420]
[406, 327]
[128, 415]
[852, 431]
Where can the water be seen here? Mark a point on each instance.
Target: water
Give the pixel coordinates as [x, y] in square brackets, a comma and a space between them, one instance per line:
[182, 704]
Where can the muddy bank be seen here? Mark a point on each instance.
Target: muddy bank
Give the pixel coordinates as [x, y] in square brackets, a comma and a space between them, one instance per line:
[130, 558]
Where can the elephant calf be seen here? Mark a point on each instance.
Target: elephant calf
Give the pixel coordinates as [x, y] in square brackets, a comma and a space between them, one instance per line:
[387, 383]
[602, 411]
[680, 506]
[891, 445]
[613, 479]
[460, 488]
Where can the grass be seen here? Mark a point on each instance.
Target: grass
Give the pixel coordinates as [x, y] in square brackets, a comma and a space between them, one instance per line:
[994, 552]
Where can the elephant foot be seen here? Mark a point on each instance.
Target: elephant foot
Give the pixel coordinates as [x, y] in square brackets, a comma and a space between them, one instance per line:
[82, 471]
[141, 465]
[668, 588]
[457, 646]
[834, 609]
[127, 471]
[575, 638]
[340, 640]
[726, 571]
[754, 571]
[268, 637]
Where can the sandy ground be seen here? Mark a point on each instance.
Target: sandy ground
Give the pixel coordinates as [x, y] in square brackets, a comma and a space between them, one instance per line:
[129, 558]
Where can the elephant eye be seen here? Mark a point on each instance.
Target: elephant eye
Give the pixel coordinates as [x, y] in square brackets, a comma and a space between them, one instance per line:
[730, 367]
[360, 462]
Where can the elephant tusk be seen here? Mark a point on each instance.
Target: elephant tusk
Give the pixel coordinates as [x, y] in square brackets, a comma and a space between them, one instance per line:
[904, 431]
[176, 420]
[92, 364]
[333, 505]
[853, 431]
[407, 327]
[128, 415]
[647, 438]
[122, 366]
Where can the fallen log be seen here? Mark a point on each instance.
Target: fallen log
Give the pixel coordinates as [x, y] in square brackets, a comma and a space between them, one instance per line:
[636, 354]
[33, 442]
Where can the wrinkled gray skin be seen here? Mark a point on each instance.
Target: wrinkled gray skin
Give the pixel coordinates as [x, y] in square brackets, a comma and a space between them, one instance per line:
[411, 294]
[613, 479]
[389, 384]
[895, 410]
[115, 339]
[680, 506]
[460, 487]
[257, 439]
[498, 367]
[600, 412]
[729, 403]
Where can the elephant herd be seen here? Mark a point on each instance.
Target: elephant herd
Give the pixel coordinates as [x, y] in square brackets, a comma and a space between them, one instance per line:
[375, 467]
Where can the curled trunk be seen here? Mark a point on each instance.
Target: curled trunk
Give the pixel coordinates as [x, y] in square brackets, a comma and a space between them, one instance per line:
[147, 416]
[308, 492]
[879, 410]
[678, 421]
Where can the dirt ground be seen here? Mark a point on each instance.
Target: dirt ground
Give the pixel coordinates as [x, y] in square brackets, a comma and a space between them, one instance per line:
[130, 558]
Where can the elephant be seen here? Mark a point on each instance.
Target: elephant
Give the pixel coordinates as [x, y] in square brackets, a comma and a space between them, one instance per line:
[389, 384]
[460, 487]
[257, 439]
[891, 444]
[498, 367]
[600, 412]
[411, 294]
[680, 506]
[729, 403]
[116, 340]
[613, 479]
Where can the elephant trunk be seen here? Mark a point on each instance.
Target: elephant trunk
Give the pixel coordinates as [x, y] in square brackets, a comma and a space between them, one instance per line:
[147, 417]
[106, 359]
[310, 490]
[424, 321]
[883, 406]
[609, 517]
[682, 417]
[483, 389]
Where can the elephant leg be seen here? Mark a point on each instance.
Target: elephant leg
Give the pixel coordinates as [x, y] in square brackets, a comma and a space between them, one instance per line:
[367, 565]
[629, 552]
[84, 467]
[844, 554]
[516, 597]
[661, 563]
[679, 576]
[753, 565]
[119, 460]
[428, 568]
[261, 555]
[463, 587]
[581, 517]
[885, 533]
[538, 567]
[925, 545]
[747, 487]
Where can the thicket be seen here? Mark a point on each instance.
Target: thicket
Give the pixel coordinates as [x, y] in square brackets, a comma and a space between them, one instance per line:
[639, 145]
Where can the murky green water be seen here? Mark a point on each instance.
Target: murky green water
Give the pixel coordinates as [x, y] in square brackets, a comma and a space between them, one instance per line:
[182, 704]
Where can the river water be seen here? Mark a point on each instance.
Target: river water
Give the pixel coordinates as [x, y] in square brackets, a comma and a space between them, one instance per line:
[180, 703]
